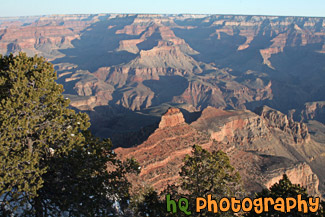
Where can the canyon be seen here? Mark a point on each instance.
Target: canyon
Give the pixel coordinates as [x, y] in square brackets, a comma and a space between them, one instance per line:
[252, 86]
[192, 61]
[262, 146]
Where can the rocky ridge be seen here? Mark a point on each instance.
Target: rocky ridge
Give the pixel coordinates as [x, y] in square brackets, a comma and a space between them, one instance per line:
[260, 151]
[124, 70]
[233, 62]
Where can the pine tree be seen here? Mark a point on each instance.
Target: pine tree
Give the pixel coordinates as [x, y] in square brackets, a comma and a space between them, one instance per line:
[148, 203]
[284, 189]
[205, 173]
[81, 184]
[209, 173]
[49, 162]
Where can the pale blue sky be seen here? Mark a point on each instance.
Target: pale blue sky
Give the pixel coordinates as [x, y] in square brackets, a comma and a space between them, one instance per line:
[254, 7]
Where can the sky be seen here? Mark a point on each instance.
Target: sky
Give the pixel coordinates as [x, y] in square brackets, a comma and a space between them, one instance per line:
[315, 8]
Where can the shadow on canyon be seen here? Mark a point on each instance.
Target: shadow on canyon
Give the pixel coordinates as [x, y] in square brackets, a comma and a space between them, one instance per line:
[97, 45]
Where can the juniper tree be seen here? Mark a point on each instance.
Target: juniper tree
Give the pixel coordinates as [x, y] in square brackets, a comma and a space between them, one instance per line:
[148, 203]
[285, 189]
[86, 181]
[206, 173]
[49, 162]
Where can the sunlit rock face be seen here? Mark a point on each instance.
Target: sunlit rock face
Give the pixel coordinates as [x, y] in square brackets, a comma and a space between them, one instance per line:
[171, 118]
[246, 79]
[144, 61]
[258, 146]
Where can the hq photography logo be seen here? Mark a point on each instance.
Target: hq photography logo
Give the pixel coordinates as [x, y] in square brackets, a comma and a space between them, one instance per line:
[258, 205]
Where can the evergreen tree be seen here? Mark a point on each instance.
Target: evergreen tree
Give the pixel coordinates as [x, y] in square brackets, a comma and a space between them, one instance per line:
[148, 203]
[284, 189]
[49, 163]
[209, 173]
[81, 184]
[205, 173]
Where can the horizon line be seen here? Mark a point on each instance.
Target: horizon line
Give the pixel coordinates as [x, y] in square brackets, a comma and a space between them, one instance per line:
[163, 14]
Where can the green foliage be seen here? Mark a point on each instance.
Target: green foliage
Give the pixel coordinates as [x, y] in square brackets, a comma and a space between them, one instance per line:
[284, 189]
[205, 173]
[147, 203]
[81, 179]
[209, 173]
[49, 162]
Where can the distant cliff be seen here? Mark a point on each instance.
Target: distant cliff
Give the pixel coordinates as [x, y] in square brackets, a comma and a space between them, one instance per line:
[125, 71]
[143, 61]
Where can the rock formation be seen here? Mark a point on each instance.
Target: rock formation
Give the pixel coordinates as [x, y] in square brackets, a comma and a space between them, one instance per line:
[171, 118]
[125, 70]
[310, 111]
[261, 152]
[233, 62]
